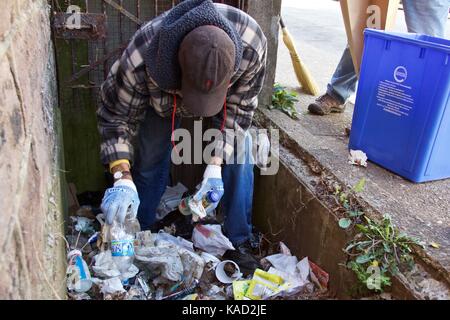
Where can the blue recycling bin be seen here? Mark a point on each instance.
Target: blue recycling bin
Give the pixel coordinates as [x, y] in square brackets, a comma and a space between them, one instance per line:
[402, 111]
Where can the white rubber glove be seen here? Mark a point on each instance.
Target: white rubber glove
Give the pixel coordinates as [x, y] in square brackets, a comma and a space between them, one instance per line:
[212, 181]
[118, 199]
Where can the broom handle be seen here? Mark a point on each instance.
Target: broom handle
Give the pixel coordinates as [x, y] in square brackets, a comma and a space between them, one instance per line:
[287, 39]
[282, 23]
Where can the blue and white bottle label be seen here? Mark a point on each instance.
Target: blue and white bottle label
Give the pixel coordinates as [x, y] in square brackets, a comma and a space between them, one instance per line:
[122, 248]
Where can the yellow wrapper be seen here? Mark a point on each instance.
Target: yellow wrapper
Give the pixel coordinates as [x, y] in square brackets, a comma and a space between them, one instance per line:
[240, 289]
[263, 285]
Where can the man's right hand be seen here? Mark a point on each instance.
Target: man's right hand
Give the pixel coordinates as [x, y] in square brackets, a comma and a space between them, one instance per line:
[118, 199]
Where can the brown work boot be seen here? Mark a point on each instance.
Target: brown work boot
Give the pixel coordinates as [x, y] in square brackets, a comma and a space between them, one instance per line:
[325, 104]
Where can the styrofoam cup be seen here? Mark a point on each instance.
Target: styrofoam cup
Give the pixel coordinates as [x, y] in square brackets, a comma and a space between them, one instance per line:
[222, 276]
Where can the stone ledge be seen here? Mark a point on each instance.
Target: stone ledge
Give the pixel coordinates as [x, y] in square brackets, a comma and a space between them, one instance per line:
[321, 144]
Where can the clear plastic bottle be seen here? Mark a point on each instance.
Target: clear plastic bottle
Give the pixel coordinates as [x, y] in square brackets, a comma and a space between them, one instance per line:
[122, 237]
[78, 275]
[209, 198]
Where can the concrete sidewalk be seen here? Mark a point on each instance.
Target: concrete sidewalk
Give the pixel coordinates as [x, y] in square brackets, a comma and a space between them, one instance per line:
[421, 210]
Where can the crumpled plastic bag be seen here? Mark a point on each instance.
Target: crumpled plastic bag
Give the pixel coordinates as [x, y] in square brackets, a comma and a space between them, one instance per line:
[294, 273]
[83, 224]
[216, 293]
[193, 265]
[145, 238]
[284, 249]
[303, 269]
[136, 293]
[210, 260]
[210, 239]
[179, 241]
[283, 262]
[357, 157]
[162, 260]
[109, 286]
[170, 261]
[131, 272]
[112, 285]
[291, 285]
[105, 267]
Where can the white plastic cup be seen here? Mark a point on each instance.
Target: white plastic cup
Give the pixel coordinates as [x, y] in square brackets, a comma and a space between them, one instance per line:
[222, 276]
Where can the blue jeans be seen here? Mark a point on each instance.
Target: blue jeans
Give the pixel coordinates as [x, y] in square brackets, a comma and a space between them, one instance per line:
[422, 16]
[151, 176]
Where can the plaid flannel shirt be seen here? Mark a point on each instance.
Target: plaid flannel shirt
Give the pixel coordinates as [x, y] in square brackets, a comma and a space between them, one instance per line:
[128, 90]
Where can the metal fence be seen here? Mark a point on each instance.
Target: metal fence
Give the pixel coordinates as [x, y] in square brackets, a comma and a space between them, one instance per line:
[118, 20]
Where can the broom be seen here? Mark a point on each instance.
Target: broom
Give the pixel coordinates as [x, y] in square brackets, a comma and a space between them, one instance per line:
[303, 76]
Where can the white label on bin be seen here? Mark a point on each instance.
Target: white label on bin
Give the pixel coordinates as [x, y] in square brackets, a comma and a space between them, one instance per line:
[395, 98]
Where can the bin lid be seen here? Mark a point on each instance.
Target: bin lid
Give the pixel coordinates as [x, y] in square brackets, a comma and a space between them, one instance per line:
[417, 39]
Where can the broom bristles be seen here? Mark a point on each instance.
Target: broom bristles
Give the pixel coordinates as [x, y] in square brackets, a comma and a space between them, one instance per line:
[301, 71]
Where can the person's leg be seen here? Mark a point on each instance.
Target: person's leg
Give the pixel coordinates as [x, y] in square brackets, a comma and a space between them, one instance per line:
[343, 82]
[341, 87]
[152, 165]
[237, 200]
[426, 16]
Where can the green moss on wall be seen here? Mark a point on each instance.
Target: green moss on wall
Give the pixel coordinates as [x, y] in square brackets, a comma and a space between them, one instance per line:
[79, 123]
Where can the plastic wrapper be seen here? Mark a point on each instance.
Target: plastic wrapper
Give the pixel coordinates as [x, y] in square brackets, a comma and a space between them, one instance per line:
[320, 275]
[83, 224]
[105, 267]
[210, 239]
[294, 273]
[284, 249]
[358, 158]
[145, 239]
[240, 289]
[109, 286]
[193, 265]
[163, 260]
[283, 262]
[136, 293]
[215, 293]
[179, 241]
[263, 285]
[210, 260]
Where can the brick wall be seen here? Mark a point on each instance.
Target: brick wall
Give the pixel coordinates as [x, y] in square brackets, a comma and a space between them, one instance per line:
[31, 221]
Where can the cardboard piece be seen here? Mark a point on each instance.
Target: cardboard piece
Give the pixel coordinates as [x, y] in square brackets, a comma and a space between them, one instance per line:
[361, 14]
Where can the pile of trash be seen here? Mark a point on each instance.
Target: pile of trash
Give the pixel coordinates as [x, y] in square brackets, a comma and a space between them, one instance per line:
[142, 265]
